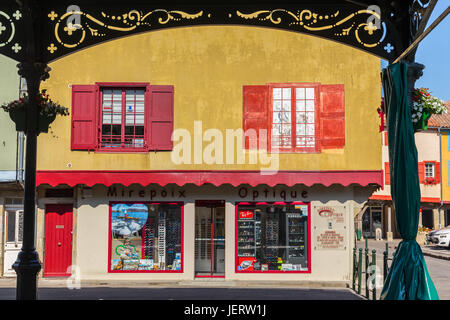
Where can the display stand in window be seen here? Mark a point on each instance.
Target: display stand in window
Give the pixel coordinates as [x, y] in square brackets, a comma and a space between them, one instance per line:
[146, 237]
[272, 238]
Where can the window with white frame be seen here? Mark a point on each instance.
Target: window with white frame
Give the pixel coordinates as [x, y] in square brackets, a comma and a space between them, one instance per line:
[429, 170]
[123, 118]
[293, 118]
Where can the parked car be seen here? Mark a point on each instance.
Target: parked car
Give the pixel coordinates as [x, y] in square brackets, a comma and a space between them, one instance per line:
[440, 237]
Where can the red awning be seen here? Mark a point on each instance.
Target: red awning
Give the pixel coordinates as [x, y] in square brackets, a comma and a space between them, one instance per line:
[216, 178]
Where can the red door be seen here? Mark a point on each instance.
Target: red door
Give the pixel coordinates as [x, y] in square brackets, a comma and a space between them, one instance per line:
[58, 240]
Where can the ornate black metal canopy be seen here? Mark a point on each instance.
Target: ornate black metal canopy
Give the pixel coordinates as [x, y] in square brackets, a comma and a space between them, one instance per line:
[383, 28]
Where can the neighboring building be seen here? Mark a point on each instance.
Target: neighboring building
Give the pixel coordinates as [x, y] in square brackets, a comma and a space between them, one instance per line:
[442, 124]
[11, 171]
[379, 211]
[119, 199]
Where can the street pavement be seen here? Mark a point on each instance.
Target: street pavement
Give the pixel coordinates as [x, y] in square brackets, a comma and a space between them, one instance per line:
[262, 294]
[436, 258]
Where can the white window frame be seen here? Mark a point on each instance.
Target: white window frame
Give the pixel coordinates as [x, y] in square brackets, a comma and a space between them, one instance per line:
[433, 170]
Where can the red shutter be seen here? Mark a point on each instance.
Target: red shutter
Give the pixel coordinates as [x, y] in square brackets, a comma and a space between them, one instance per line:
[421, 172]
[386, 142]
[437, 172]
[255, 114]
[387, 174]
[84, 115]
[332, 116]
[160, 119]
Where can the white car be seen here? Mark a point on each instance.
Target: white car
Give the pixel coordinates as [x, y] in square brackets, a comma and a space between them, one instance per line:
[440, 237]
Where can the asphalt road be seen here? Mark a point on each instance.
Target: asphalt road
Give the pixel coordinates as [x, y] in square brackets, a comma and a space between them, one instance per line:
[105, 293]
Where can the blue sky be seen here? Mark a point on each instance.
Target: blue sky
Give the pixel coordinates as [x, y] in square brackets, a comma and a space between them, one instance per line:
[434, 53]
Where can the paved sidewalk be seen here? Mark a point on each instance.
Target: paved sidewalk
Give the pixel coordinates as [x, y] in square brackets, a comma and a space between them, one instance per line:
[427, 250]
[213, 283]
[436, 252]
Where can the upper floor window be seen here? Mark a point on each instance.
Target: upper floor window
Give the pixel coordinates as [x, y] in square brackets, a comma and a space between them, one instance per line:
[122, 117]
[429, 170]
[294, 117]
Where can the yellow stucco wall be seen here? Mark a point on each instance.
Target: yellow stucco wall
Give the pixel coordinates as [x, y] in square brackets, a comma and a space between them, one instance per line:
[208, 66]
[445, 165]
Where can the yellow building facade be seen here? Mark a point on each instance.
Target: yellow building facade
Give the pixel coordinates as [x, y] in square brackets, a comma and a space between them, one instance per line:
[194, 210]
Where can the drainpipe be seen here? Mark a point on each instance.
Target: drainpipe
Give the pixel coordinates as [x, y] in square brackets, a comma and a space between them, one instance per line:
[21, 153]
[440, 161]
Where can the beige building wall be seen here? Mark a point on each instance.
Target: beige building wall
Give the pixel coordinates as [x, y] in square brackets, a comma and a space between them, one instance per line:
[91, 236]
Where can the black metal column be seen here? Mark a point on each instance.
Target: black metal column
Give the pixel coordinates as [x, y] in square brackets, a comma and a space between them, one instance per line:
[27, 265]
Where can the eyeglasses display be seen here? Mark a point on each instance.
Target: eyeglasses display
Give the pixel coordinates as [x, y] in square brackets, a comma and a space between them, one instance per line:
[146, 237]
[272, 238]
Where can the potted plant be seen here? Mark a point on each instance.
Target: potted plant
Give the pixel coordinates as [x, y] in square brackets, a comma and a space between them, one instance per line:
[48, 110]
[429, 181]
[424, 105]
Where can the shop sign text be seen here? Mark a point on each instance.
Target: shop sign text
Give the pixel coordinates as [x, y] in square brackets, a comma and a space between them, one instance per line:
[283, 194]
[163, 193]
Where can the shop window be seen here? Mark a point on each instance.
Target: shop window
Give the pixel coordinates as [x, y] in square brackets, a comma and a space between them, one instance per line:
[293, 117]
[272, 238]
[115, 117]
[146, 237]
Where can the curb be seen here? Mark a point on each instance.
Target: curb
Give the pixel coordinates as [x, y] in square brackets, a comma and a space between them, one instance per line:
[435, 255]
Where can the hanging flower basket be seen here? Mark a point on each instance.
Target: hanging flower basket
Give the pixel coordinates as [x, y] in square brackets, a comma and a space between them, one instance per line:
[48, 110]
[423, 107]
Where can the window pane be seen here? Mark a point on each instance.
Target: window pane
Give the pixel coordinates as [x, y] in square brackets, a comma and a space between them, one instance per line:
[20, 227]
[310, 117]
[146, 237]
[286, 93]
[276, 105]
[301, 141]
[11, 226]
[300, 93]
[309, 105]
[287, 105]
[277, 93]
[310, 129]
[286, 130]
[301, 130]
[272, 238]
[309, 93]
[310, 141]
[300, 105]
[276, 129]
[301, 117]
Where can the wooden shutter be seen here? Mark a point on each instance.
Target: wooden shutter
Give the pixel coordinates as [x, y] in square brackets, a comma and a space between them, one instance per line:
[255, 114]
[387, 174]
[437, 172]
[421, 172]
[84, 119]
[332, 116]
[160, 118]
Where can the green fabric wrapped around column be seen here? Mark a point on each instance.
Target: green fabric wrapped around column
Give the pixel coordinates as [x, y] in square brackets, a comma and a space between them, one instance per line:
[408, 277]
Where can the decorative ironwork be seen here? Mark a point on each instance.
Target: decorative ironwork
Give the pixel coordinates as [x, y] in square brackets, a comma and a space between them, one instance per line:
[384, 31]
[72, 35]
[307, 20]
[8, 30]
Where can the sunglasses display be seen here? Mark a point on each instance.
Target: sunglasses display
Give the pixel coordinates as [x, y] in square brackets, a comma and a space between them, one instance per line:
[272, 238]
